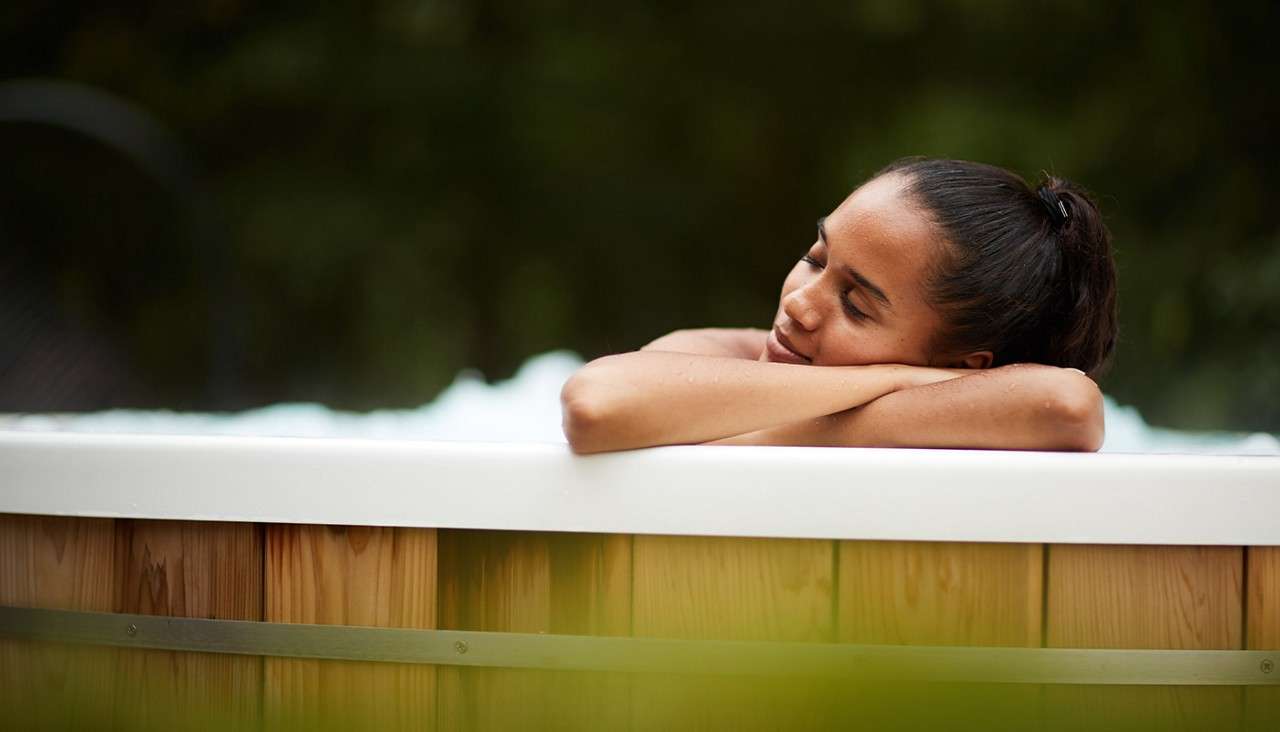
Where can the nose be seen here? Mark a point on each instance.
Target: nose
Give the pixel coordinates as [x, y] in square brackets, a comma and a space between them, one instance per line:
[801, 307]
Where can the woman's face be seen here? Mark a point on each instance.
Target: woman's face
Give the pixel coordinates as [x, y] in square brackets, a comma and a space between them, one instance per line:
[857, 296]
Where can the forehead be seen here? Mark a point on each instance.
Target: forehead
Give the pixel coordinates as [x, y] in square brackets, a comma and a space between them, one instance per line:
[881, 233]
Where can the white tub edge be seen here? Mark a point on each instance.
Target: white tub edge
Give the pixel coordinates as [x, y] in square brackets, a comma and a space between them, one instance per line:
[821, 493]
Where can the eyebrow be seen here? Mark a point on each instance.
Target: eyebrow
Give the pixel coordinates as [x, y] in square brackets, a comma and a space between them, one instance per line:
[857, 276]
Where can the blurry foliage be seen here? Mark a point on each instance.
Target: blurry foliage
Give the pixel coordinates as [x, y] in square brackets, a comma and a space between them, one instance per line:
[411, 187]
[134, 689]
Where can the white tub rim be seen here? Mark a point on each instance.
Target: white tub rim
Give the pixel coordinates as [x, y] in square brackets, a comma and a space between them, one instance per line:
[780, 492]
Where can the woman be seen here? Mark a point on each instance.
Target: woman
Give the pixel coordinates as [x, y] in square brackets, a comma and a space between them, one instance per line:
[948, 303]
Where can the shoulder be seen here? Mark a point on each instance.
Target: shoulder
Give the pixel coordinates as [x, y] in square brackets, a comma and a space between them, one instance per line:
[726, 342]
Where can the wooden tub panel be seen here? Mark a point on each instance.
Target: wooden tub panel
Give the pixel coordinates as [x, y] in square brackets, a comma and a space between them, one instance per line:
[65, 564]
[1262, 632]
[188, 569]
[356, 575]
[527, 582]
[1145, 597]
[57, 562]
[941, 593]
[680, 587]
[732, 589]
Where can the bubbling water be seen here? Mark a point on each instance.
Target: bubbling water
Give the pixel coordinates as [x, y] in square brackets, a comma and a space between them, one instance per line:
[525, 408]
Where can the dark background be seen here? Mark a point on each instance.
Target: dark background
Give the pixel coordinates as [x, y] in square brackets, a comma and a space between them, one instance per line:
[357, 200]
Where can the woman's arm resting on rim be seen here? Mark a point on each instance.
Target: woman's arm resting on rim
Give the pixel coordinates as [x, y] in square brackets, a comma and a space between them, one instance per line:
[648, 398]
[1016, 407]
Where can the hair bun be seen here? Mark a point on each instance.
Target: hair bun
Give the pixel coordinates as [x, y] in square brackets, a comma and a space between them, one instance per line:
[1059, 214]
[1027, 271]
[1089, 328]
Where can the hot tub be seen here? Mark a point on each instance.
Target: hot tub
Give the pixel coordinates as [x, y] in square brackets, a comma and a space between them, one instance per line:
[236, 581]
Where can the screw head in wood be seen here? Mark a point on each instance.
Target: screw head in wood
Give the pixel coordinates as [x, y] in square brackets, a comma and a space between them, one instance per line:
[1268, 665]
[460, 646]
[131, 629]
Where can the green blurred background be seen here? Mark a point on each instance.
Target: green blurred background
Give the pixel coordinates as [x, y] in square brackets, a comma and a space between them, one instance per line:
[379, 194]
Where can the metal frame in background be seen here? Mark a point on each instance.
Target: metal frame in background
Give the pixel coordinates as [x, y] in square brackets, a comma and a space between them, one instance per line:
[849, 662]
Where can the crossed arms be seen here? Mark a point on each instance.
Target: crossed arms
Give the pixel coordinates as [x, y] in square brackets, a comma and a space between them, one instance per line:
[704, 386]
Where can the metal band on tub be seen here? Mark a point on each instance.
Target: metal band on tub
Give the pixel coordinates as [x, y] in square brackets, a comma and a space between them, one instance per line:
[851, 662]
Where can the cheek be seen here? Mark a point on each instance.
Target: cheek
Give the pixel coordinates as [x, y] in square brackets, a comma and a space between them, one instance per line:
[851, 345]
[848, 346]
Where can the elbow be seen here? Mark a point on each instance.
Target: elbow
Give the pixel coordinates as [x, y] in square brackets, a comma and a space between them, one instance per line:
[586, 413]
[581, 424]
[1078, 414]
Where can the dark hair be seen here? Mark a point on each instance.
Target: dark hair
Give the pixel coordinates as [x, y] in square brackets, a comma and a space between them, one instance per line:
[1027, 274]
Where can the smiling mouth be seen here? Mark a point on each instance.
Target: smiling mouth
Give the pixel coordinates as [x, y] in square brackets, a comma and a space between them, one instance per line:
[781, 348]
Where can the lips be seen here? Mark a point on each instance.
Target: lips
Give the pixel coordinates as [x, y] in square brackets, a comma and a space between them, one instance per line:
[780, 348]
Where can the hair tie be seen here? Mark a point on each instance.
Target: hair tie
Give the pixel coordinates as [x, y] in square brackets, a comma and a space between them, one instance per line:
[1057, 208]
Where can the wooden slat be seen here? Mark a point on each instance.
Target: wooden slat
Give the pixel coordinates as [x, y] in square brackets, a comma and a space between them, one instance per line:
[590, 584]
[1262, 704]
[1145, 597]
[533, 583]
[1264, 599]
[940, 593]
[57, 562]
[192, 570]
[936, 593]
[732, 589]
[66, 564]
[382, 577]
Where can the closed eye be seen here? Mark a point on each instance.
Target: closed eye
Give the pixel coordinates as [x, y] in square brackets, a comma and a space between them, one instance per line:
[850, 308]
[853, 310]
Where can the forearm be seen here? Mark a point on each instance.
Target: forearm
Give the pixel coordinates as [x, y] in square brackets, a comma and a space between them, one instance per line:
[1019, 407]
[657, 398]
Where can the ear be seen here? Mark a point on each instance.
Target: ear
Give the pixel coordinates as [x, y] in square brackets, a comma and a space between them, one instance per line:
[975, 360]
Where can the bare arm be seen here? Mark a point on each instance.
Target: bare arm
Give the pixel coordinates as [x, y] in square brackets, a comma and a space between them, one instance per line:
[1016, 407]
[651, 398]
[1023, 406]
